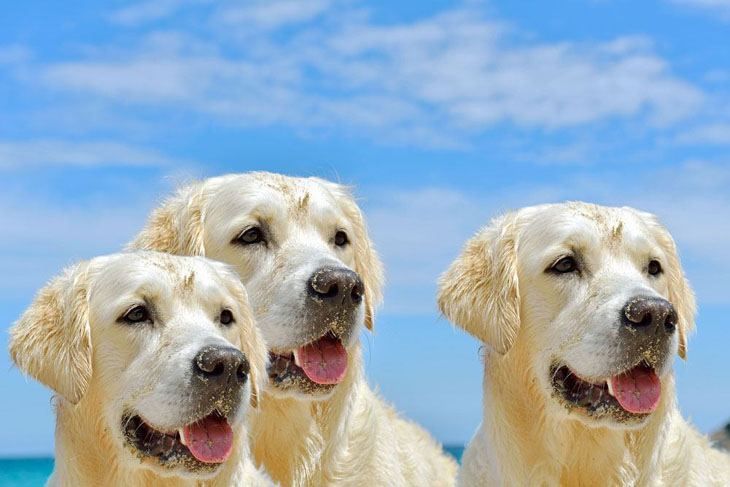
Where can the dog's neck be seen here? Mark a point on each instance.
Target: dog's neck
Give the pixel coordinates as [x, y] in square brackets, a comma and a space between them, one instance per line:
[293, 438]
[86, 453]
[521, 434]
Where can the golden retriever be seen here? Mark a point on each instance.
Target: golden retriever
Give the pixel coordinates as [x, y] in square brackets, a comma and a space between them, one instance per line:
[154, 359]
[581, 309]
[302, 250]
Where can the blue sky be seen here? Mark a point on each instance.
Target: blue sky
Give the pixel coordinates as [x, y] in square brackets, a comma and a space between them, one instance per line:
[441, 114]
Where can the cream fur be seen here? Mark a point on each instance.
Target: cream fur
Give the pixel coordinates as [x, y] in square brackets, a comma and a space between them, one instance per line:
[69, 339]
[498, 291]
[350, 437]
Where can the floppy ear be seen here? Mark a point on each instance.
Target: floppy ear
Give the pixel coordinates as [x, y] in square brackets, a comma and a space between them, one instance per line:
[680, 293]
[51, 342]
[176, 227]
[367, 262]
[479, 292]
[252, 343]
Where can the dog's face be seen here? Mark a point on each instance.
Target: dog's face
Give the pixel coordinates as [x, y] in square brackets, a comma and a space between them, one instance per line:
[164, 345]
[302, 251]
[595, 296]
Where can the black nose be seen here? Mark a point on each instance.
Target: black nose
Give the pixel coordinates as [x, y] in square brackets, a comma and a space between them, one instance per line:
[650, 314]
[221, 365]
[339, 286]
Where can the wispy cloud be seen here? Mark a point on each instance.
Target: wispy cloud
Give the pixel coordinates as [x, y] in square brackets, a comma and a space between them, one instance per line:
[440, 79]
[57, 152]
[142, 12]
[711, 134]
[719, 7]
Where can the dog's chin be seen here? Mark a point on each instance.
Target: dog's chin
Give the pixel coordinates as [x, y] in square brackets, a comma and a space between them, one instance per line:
[625, 399]
[197, 449]
[311, 371]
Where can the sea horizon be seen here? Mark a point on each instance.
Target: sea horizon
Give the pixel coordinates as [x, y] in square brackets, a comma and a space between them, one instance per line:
[34, 470]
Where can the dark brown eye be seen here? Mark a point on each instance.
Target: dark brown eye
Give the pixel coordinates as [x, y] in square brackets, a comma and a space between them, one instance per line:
[137, 314]
[226, 317]
[251, 236]
[341, 238]
[565, 265]
[654, 268]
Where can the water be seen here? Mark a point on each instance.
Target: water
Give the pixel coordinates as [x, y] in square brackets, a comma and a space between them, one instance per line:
[32, 472]
[25, 472]
[455, 451]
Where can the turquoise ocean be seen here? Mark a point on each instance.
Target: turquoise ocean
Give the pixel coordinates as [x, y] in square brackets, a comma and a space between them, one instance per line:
[32, 472]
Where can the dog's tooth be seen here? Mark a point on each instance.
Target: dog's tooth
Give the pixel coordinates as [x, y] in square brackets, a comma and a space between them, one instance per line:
[610, 387]
[296, 358]
[182, 436]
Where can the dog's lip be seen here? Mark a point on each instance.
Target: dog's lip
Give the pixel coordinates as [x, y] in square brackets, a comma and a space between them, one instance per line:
[593, 395]
[167, 445]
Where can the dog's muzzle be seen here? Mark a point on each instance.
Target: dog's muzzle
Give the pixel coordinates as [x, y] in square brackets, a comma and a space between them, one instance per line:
[334, 297]
[204, 439]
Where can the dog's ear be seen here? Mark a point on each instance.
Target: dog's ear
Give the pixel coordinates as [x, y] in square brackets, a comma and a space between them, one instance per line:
[256, 351]
[367, 262]
[252, 342]
[479, 292]
[680, 293]
[51, 341]
[176, 226]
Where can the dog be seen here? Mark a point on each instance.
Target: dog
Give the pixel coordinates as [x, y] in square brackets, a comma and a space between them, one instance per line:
[581, 309]
[302, 250]
[154, 360]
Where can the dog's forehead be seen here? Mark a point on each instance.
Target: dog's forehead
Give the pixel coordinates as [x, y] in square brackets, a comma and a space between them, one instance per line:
[588, 225]
[177, 275]
[274, 196]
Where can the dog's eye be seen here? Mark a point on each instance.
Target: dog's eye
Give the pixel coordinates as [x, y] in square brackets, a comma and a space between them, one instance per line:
[654, 268]
[226, 317]
[341, 239]
[138, 314]
[250, 236]
[565, 265]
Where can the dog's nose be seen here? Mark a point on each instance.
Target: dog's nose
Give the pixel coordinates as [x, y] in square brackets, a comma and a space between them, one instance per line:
[338, 286]
[221, 365]
[650, 314]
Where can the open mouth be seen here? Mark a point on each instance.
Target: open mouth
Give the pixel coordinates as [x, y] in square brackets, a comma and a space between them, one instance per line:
[320, 364]
[199, 446]
[632, 394]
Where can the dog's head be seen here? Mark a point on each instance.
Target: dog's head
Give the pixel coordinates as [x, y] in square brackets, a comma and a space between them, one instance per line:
[594, 297]
[162, 349]
[302, 251]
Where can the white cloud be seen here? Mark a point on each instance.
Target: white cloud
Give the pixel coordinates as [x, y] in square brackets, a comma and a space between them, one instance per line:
[440, 79]
[719, 7]
[145, 11]
[272, 15]
[711, 134]
[13, 54]
[56, 152]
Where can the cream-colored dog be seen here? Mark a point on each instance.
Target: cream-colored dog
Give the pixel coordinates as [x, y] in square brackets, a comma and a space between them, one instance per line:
[154, 359]
[303, 253]
[582, 309]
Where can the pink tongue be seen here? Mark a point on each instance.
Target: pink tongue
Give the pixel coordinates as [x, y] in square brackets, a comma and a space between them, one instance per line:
[637, 390]
[324, 361]
[210, 440]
